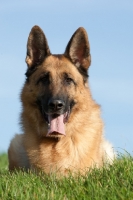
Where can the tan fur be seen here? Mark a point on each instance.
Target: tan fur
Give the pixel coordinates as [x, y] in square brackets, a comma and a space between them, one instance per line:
[83, 146]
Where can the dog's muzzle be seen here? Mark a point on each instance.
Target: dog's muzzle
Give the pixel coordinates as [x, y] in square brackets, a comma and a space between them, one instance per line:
[56, 114]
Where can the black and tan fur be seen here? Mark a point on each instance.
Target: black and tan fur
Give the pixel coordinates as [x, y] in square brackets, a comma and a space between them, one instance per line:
[58, 84]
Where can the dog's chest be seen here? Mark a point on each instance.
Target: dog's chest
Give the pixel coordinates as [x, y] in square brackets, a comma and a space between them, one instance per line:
[60, 157]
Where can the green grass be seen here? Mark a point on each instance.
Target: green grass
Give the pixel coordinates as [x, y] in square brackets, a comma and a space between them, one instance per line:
[113, 183]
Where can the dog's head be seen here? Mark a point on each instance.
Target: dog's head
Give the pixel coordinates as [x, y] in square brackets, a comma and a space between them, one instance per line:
[54, 82]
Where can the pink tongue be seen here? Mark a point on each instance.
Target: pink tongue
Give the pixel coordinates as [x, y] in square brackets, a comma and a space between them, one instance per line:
[56, 125]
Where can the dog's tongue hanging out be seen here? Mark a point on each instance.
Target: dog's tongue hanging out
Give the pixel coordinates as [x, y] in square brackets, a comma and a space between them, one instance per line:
[56, 125]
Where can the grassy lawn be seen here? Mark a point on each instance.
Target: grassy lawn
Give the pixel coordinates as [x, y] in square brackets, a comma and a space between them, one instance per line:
[113, 183]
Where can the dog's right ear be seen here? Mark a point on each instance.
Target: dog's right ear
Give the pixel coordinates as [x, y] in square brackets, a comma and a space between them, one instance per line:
[37, 47]
[78, 51]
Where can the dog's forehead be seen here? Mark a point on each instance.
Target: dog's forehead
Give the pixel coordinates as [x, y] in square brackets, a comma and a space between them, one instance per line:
[55, 61]
[58, 63]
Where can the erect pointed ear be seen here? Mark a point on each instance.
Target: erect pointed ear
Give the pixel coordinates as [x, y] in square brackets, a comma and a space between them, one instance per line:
[37, 47]
[78, 50]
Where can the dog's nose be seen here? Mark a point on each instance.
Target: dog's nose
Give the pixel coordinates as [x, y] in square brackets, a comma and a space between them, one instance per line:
[55, 105]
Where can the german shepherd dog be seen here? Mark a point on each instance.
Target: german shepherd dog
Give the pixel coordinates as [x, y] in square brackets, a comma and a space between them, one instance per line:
[61, 123]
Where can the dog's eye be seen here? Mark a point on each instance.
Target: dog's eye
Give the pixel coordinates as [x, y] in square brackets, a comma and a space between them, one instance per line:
[69, 80]
[44, 79]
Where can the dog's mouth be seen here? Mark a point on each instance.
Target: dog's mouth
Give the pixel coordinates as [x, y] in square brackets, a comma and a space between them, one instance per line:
[55, 116]
[56, 123]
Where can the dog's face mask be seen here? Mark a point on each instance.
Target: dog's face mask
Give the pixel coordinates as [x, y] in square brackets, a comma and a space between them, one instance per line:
[54, 76]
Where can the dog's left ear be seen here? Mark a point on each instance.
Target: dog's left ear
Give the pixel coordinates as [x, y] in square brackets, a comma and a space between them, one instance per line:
[37, 47]
[78, 50]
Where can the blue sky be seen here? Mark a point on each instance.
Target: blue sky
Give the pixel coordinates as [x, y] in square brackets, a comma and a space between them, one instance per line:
[110, 29]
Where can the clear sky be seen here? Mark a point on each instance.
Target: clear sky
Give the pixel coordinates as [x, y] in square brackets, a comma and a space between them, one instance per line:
[110, 29]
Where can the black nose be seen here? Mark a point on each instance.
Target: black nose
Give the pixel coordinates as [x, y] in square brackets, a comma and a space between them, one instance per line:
[56, 105]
